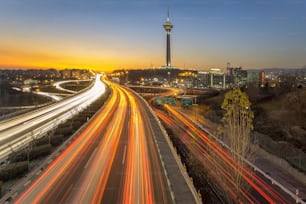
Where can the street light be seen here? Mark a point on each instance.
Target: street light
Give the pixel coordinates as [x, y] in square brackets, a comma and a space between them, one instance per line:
[196, 111]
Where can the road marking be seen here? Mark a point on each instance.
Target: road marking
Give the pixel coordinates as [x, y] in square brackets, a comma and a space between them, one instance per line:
[124, 154]
[66, 194]
[37, 173]
[94, 152]
[27, 183]
[15, 195]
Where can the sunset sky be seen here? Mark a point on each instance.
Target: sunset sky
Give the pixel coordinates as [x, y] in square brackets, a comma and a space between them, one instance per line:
[111, 34]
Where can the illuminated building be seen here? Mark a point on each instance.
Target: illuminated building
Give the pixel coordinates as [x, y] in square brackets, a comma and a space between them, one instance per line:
[263, 81]
[217, 78]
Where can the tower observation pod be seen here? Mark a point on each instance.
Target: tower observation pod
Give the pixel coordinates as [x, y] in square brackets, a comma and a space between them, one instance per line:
[168, 27]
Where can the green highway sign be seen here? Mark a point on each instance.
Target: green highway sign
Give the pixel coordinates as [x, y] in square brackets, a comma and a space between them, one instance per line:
[158, 101]
[170, 101]
[186, 102]
[163, 100]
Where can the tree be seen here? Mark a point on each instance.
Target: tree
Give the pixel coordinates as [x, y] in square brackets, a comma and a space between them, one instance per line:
[237, 123]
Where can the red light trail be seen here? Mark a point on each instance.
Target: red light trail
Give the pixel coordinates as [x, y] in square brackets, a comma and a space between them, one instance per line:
[85, 171]
[212, 155]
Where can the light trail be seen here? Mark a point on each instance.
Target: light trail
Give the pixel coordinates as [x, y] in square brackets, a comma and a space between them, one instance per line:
[47, 186]
[87, 170]
[102, 160]
[51, 95]
[59, 83]
[203, 147]
[138, 181]
[96, 90]
[17, 132]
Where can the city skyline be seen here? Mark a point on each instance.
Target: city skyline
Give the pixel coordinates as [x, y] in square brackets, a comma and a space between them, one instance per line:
[114, 34]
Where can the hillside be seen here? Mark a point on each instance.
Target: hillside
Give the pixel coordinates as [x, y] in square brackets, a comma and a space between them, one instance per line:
[280, 115]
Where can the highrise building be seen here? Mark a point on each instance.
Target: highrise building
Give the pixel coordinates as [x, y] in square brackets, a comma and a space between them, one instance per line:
[168, 27]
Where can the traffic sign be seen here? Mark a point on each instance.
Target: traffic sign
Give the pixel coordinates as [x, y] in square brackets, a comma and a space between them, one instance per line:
[185, 102]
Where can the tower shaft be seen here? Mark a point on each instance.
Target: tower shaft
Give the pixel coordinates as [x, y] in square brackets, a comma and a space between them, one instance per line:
[168, 27]
[168, 53]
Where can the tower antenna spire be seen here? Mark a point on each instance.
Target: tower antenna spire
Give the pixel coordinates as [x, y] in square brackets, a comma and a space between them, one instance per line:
[168, 16]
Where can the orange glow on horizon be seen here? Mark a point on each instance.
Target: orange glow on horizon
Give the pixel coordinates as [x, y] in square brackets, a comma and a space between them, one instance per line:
[27, 57]
[62, 55]
[39, 63]
[32, 61]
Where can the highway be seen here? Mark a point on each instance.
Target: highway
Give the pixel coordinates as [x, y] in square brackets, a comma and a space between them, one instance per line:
[16, 132]
[219, 161]
[58, 84]
[114, 160]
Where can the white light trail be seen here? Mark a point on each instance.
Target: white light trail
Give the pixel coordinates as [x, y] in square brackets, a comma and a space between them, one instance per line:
[19, 131]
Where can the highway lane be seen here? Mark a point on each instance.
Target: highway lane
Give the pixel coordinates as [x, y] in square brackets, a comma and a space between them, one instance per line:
[17, 132]
[50, 95]
[7, 124]
[148, 182]
[114, 160]
[60, 179]
[220, 162]
[58, 86]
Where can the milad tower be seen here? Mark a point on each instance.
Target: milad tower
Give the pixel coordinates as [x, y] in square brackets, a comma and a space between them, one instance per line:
[168, 27]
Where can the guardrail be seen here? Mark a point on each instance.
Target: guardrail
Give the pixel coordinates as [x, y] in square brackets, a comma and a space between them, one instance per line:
[25, 182]
[294, 196]
[182, 169]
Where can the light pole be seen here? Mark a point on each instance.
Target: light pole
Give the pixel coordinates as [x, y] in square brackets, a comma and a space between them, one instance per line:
[196, 105]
